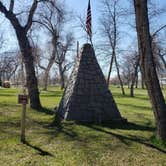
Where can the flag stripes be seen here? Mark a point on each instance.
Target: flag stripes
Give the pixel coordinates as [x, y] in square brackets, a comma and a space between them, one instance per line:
[89, 21]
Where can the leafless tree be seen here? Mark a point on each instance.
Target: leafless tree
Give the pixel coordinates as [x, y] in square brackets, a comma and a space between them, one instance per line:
[111, 12]
[148, 66]
[126, 73]
[134, 75]
[8, 64]
[158, 56]
[130, 70]
[154, 11]
[52, 17]
[63, 66]
[21, 31]
[1, 40]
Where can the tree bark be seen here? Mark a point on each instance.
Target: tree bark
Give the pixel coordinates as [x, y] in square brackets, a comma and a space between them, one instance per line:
[134, 77]
[26, 50]
[149, 68]
[61, 74]
[132, 88]
[119, 77]
[47, 70]
[45, 80]
[142, 79]
[31, 80]
[109, 72]
[136, 81]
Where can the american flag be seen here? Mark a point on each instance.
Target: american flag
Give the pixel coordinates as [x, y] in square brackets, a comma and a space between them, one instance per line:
[88, 21]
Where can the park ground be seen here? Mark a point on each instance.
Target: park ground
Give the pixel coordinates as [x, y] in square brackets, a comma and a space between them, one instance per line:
[71, 144]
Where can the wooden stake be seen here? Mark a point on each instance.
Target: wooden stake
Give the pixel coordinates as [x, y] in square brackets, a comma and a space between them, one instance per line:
[23, 114]
[23, 121]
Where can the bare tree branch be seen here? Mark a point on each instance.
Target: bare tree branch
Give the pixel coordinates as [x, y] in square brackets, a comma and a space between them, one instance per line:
[10, 15]
[26, 50]
[31, 14]
[11, 5]
[43, 24]
[158, 30]
[3, 8]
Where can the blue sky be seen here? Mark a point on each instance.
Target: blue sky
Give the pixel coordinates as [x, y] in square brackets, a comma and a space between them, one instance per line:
[78, 7]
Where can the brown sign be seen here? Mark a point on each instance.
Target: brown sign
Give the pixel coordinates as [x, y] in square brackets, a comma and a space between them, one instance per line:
[22, 99]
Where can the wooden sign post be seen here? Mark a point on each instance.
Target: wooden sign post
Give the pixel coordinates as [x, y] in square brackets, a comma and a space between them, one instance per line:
[23, 99]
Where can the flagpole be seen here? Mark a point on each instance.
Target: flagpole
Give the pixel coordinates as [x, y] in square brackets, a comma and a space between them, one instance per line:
[77, 49]
[91, 41]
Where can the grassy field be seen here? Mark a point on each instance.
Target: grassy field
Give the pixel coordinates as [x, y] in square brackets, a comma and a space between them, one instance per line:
[73, 144]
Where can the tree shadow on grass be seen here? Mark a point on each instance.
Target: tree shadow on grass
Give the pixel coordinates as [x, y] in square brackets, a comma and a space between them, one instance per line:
[135, 106]
[7, 95]
[123, 138]
[46, 111]
[9, 124]
[55, 131]
[142, 97]
[52, 93]
[56, 91]
[119, 95]
[64, 128]
[39, 150]
[127, 96]
[126, 126]
[12, 105]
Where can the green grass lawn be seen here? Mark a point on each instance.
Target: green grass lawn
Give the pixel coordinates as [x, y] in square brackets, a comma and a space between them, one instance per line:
[79, 144]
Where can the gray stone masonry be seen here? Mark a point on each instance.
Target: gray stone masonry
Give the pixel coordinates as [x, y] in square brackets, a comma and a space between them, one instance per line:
[86, 97]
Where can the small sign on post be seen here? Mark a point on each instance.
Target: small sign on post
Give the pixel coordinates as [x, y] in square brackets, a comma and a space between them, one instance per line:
[23, 99]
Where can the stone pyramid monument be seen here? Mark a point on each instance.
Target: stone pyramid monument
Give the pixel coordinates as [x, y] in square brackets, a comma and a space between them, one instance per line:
[86, 97]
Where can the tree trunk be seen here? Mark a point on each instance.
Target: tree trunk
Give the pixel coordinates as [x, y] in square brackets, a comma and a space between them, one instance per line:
[26, 50]
[149, 68]
[61, 73]
[120, 80]
[49, 66]
[128, 83]
[142, 80]
[0, 80]
[31, 80]
[133, 81]
[132, 86]
[142, 83]
[109, 72]
[136, 81]
[45, 80]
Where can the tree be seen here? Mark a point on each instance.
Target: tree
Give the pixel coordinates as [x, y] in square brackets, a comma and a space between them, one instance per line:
[159, 52]
[52, 17]
[1, 40]
[25, 47]
[130, 70]
[9, 63]
[134, 75]
[148, 66]
[60, 60]
[126, 73]
[109, 22]
[1, 44]
[40, 56]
